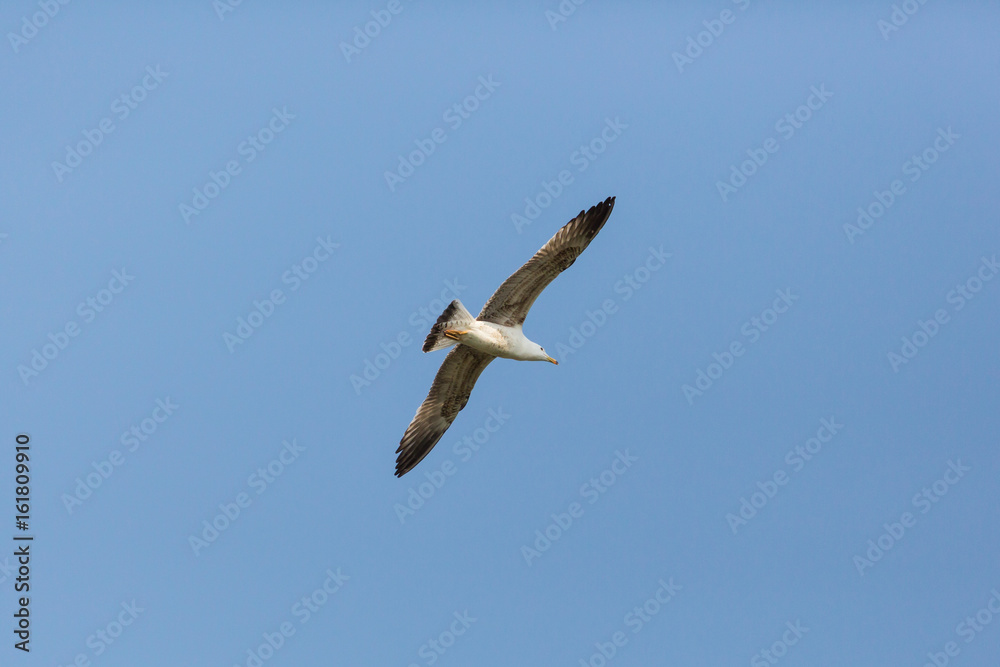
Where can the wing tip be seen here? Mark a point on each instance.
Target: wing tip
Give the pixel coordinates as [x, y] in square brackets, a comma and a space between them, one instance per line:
[595, 217]
[403, 465]
[608, 203]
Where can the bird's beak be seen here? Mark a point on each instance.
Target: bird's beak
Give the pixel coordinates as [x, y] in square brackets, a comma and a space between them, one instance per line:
[552, 360]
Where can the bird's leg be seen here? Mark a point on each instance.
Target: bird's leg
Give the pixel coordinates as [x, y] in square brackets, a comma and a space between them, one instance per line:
[455, 334]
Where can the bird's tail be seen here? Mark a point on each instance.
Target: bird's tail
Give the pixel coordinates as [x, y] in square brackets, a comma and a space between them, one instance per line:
[455, 316]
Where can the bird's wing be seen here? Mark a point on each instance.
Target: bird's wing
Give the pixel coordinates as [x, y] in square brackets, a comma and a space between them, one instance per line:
[449, 393]
[509, 305]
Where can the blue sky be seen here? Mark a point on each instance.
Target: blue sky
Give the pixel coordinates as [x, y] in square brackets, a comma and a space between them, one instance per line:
[771, 437]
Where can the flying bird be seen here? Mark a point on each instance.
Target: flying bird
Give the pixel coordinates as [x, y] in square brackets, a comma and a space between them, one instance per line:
[496, 332]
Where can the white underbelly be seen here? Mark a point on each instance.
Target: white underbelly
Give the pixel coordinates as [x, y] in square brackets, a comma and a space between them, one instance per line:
[490, 338]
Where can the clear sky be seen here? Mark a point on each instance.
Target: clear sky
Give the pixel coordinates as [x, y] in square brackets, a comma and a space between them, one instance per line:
[772, 434]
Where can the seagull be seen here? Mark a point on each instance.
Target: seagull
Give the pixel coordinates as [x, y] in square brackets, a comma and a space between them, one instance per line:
[495, 333]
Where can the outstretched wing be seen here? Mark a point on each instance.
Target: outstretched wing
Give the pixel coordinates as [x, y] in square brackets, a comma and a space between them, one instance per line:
[449, 393]
[510, 304]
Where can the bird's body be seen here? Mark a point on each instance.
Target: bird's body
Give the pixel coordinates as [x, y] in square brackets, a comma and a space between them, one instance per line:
[496, 332]
[499, 340]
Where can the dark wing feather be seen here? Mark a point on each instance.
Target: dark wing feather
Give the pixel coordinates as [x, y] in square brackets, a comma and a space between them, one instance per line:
[509, 305]
[449, 393]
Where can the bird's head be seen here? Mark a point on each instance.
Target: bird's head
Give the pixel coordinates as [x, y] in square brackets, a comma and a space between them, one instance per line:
[541, 356]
